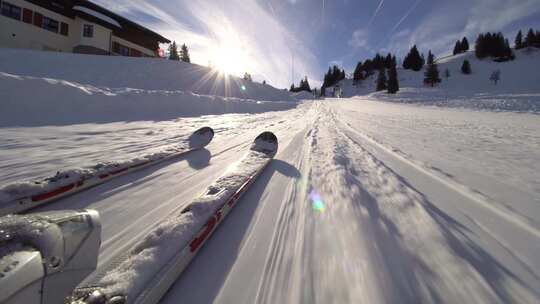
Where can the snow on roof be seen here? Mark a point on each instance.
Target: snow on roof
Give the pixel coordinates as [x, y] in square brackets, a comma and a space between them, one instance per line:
[97, 15]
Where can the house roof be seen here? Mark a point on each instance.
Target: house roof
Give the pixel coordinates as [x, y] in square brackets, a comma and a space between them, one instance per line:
[123, 22]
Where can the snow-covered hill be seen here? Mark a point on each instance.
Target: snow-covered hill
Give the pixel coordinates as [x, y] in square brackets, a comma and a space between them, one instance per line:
[139, 73]
[44, 88]
[518, 89]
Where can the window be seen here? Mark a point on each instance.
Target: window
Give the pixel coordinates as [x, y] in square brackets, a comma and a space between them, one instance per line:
[27, 16]
[88, 30]
[11, 11]
[50, 24]
[64, 29]
[120, 49]
[135, 53]
[38, 19]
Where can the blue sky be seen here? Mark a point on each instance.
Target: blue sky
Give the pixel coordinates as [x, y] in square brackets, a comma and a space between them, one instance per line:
[271, 39]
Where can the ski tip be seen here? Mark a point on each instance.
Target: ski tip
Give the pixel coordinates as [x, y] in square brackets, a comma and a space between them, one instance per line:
[201, 137]
[266, 142]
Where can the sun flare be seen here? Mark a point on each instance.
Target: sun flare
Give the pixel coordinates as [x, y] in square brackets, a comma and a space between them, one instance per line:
[231, 54]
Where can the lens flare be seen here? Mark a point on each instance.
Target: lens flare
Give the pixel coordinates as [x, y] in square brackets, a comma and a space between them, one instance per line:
[243, 87]
[316, 201]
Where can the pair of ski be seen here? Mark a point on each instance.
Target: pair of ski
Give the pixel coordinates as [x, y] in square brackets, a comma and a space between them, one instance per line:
[148, 268]
[70, 182]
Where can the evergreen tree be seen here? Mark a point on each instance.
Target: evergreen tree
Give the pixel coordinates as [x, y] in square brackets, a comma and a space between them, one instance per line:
[457, 48]
[388, 61]
[464, 45]
[306, 86]
[247, 77]
[292, 89]
[432, 71]
[507, 51]
[466, 67]
[529, 39]
[173, 52]
[358, 74]
[519, 40]
[184, 54]
[536, 40]
[413, 60]
[393, 82]
[479, 48]
[381, 80]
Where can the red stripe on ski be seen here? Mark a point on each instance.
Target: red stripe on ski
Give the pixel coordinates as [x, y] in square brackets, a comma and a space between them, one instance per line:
[197, 242]
[236, 196]
[53, 193]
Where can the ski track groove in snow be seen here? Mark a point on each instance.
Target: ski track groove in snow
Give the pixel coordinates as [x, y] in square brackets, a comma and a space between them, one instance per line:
[476, 197]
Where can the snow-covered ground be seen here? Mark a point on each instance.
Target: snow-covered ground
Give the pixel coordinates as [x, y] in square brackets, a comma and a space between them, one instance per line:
[366, 201]
[350, 210]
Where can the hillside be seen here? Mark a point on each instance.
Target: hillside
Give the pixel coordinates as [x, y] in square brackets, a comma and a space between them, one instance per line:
[516, 91]
[44, 88]
[129, 72]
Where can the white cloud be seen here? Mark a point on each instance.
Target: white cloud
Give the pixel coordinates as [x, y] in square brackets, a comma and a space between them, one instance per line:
[359, 39]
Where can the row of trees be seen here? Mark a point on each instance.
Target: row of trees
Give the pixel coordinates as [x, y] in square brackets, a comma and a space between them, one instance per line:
[493, 45]
[369, 66]
[174, 54]
[531, 40]
[333, 76]
[461, 46]
[390, 84]
[304, 86]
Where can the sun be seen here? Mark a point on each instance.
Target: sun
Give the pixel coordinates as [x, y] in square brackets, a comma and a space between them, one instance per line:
[230, 55]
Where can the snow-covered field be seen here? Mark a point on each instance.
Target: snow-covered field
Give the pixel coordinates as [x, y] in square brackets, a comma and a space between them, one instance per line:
[366, 201]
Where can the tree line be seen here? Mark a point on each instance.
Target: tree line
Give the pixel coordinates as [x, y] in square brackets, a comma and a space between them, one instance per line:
[304, 86]
[531, 40]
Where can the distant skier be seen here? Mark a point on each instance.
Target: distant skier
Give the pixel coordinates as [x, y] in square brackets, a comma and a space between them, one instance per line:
[495, 76]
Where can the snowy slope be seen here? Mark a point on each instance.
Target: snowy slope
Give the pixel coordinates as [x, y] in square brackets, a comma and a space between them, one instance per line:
[46, 88]
[518, 89]
[139, 73]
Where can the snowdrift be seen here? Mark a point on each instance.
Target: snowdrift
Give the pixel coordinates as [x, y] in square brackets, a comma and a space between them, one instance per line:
[31, 101]
[45, 88]
[518, 89]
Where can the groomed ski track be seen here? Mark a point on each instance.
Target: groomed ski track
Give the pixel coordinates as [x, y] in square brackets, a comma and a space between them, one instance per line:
[337, 217]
